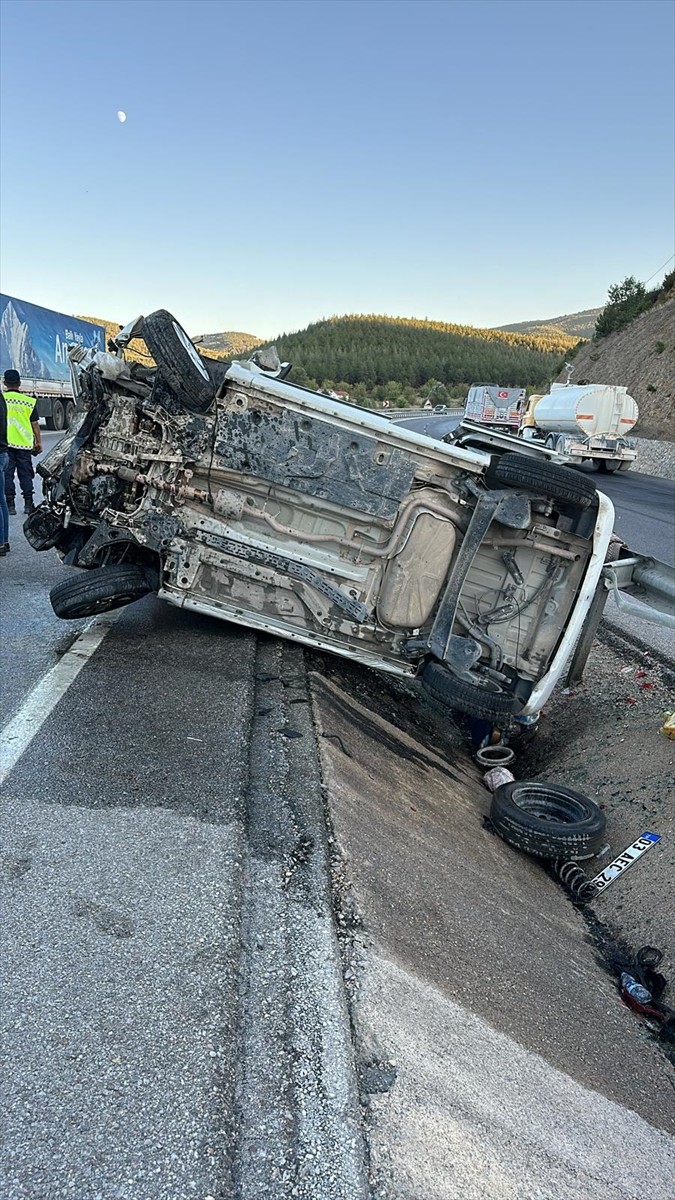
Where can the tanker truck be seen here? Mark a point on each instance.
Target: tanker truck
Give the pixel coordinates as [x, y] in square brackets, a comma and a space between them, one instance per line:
[584, 421]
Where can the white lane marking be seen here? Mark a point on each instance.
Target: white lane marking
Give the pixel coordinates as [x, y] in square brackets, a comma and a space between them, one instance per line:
[20, 731]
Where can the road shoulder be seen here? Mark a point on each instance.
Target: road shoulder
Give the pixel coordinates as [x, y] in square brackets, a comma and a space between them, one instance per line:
[458, 940]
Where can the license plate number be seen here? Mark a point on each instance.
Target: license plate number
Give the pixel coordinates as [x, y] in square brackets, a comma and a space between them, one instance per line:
[620, 864]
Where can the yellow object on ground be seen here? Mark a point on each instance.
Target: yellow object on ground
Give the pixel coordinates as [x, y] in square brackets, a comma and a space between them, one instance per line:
[668, 726]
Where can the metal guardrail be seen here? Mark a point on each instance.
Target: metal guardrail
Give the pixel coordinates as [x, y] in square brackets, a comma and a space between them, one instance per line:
[422, 413]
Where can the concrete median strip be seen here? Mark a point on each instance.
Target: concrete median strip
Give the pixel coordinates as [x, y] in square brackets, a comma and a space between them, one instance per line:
[19, 732]
[297, 1111]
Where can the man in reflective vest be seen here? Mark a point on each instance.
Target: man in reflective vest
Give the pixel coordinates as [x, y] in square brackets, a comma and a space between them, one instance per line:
[4, 515]
[24, 440]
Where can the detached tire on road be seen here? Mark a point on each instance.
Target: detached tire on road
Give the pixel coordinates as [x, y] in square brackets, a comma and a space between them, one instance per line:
[547, 821]
[489, 702]
[98, 591]
[543, 477]
[178, 360]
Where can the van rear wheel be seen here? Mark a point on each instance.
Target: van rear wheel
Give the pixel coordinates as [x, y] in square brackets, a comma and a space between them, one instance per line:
[489, 701]
[543, 477]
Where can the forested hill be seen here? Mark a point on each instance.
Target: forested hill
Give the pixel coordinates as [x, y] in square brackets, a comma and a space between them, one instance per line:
[576, 325]
[374, 350]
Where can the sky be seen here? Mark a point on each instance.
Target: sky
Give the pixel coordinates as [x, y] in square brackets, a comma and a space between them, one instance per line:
[472, 161]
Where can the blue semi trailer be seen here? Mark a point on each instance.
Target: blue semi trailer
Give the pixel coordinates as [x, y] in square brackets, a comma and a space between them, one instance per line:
[34, 341]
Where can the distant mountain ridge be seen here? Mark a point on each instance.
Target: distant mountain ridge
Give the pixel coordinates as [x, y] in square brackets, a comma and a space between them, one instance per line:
[575, 325]
[227, 345]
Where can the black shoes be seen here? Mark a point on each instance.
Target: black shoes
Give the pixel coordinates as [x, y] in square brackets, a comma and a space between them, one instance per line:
[29, 506]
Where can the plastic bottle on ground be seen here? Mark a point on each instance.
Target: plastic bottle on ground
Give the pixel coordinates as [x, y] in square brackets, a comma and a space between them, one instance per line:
[635, 990]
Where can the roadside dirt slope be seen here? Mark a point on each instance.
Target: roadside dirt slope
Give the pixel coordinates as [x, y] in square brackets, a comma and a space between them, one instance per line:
[640, 357]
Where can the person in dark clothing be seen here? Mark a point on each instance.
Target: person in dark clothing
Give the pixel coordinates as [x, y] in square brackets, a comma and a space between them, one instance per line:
[4, 458]
[24, 439]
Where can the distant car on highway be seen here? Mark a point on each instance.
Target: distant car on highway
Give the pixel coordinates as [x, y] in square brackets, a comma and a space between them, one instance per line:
[440, 408]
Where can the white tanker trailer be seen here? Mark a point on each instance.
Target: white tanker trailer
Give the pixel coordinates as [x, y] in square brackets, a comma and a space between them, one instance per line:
[585, 421]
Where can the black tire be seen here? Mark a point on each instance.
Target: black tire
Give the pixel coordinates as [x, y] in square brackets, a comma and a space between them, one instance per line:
[609, 465]
[469, 698]
[626, 465]
[547, 821]
[177, 358]
[70, 412]
[58, 416]
[98, 591]
[550, 442]
[543, 477]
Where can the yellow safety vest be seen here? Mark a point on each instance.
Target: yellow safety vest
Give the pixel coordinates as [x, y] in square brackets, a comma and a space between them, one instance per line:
[19, 429]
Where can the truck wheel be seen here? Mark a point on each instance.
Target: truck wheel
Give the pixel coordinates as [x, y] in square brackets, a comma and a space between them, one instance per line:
[609, 465]
[550, 442]
[70, 411]
[178, 360]
[626, 466]
[98, 591]
[490, 702]
[547, 821]
[543, 477]
[58, 416]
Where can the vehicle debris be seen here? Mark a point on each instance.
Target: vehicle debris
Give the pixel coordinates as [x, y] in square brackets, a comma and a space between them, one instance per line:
[229, 491]
[625, 860]
[496, 777]
[495, 756]
[574, 879]
[547, 821]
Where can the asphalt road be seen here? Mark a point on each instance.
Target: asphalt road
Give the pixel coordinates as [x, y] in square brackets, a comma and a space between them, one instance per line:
[645, 511]
[173, 1020]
